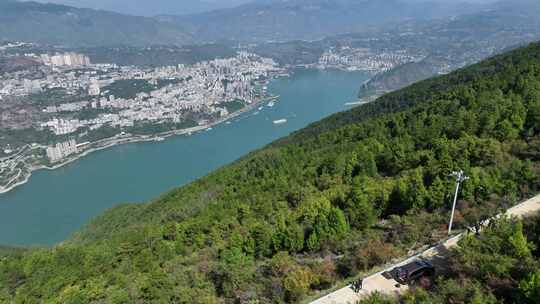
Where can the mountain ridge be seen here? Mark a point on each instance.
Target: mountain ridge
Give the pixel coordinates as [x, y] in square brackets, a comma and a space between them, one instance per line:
[308, 19]
[69, 26]
[258, 21]
[144, 8]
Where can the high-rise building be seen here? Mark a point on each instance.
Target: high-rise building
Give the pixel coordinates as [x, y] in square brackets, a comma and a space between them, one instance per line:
[93, 88]
[65, 59]
[61, 150]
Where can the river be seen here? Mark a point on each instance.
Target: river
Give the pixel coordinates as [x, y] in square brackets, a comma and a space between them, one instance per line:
[54, 204]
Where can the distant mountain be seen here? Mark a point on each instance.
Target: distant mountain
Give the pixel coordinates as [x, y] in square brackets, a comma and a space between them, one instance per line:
[151, 8]
[400, 77]
[276, 20]
[64, 25]
[258, 21]
[11, 64]
[157, 55]
[461, 41]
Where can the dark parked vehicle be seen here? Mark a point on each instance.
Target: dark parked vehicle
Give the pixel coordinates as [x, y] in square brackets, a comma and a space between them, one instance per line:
[413, 271]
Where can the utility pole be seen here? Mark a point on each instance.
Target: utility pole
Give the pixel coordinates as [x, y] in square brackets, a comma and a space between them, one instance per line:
[460, 178]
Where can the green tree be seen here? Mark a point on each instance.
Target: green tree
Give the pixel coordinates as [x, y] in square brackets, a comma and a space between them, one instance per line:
[360, 211]
[297, 283]
[437, 194]
[530, 288]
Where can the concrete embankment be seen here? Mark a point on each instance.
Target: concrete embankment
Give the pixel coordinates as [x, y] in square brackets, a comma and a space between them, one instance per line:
[120, 140]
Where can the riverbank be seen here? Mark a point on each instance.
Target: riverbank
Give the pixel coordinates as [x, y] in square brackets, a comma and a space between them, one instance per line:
[128, 139]
[56, 203]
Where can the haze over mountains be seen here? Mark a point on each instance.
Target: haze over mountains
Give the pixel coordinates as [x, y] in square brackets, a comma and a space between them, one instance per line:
[151, 8]
[266, 20]
[65, 25]
[182, 7]
[258, 21]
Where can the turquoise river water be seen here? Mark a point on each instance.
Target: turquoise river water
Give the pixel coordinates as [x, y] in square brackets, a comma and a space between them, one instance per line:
[54, 204]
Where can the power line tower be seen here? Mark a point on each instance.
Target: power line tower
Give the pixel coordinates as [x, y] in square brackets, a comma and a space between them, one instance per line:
[460, 178]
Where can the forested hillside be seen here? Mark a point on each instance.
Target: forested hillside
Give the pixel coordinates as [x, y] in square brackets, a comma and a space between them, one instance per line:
[69, 26]
[400, 77]
[337, 198]
[271, 20]
[501, 265]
